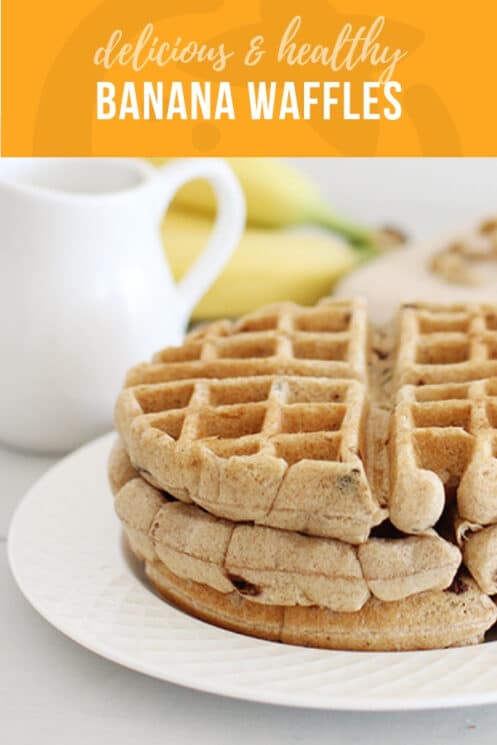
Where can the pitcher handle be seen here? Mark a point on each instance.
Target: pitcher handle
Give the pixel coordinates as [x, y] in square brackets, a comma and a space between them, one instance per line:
[227, 229]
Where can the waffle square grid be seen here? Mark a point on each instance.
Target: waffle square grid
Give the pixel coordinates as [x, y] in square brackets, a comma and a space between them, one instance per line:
[284, 387]
[444, 425]
[268, 419]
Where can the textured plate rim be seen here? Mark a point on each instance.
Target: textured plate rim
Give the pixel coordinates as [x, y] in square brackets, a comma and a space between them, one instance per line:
[303, 698]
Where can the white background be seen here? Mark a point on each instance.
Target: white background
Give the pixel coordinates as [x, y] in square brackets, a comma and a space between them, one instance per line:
[52, 691]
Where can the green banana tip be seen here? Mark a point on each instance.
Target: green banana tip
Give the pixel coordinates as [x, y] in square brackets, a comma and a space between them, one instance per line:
[368, 241]
[356, 235]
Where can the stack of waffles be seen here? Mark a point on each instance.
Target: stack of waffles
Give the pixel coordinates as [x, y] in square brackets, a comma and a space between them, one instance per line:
[299, 476]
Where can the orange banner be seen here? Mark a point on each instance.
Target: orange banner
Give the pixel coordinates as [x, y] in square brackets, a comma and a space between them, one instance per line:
[206, 77]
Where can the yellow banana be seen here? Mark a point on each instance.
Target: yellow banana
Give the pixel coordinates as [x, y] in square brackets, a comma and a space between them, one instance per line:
[277, 196]
[267, 266]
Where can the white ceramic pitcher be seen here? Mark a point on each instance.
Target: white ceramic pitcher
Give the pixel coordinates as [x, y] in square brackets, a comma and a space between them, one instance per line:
[85, 290]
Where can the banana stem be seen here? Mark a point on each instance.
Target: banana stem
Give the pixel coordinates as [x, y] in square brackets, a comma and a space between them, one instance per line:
[362, 238]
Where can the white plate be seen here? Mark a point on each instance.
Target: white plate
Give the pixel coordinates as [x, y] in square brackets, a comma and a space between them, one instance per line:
[68, 557]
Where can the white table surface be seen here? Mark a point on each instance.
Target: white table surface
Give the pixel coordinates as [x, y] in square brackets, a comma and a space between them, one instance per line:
[52, 691]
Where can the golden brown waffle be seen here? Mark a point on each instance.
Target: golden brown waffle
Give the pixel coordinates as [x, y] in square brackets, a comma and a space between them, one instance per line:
[444, 424]
[272, 566]
[310, 431]
[283, 442]
[175, 551]
[328, 340]
[446, 344]
[261, 420]
[432, 619]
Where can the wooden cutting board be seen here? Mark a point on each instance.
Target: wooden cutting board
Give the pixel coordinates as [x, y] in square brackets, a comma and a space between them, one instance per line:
[404, 276]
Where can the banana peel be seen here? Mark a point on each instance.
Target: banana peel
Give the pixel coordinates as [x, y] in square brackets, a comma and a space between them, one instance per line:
[267, 266]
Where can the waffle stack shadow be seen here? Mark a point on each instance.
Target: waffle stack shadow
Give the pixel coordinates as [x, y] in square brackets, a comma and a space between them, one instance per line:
[299, 477]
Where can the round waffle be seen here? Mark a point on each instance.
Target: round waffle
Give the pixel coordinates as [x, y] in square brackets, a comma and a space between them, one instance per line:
[296, 465]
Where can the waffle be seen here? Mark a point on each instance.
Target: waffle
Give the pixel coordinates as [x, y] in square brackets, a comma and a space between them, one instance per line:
[291, 451]
[446, 343]
[328, 340]
[430, 620]
[261, 420]
[312, 431]
[479, 549]
[444, 423]
[272, 566]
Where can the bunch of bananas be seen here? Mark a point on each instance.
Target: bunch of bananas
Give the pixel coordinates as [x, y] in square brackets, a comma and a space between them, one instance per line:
[276, 259]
